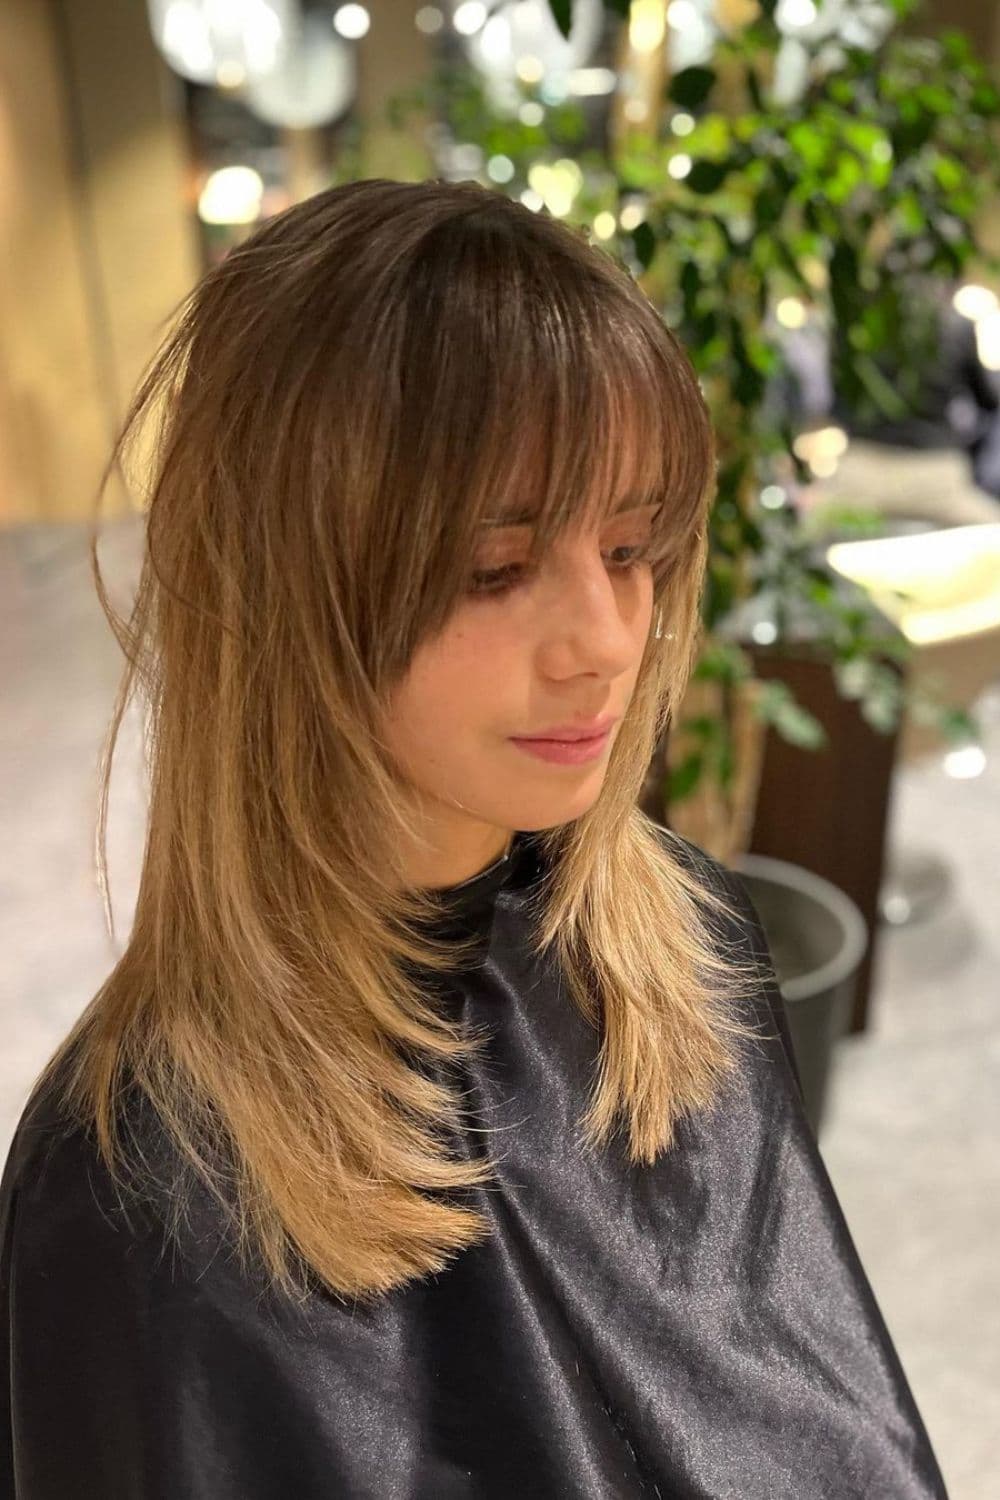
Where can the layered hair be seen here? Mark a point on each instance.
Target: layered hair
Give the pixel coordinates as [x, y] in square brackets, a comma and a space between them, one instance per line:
[332, 412]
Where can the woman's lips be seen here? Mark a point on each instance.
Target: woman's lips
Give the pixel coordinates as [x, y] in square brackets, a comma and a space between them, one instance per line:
[565, 752]
[582, 729]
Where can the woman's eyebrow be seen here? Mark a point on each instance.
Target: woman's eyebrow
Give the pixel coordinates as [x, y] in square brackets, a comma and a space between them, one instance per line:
[525, 517]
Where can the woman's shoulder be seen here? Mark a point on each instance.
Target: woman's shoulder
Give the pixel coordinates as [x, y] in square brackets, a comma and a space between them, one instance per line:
[109, 1326]
[55, 1182]
[60, 1199]
[47, 1143]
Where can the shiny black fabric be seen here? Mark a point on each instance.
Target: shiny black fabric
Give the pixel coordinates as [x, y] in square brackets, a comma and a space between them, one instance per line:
[701, 1327]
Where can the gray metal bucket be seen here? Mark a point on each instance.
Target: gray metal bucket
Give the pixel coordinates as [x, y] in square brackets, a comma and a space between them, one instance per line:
[818, 938]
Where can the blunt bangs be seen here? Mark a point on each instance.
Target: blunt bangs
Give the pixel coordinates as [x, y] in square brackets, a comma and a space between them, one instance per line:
[541, 388]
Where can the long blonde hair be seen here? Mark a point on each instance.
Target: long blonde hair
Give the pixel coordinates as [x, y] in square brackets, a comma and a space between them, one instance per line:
[338, 403]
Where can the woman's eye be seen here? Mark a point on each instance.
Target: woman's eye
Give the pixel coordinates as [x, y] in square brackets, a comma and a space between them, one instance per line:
[494, 580]
[501, 580]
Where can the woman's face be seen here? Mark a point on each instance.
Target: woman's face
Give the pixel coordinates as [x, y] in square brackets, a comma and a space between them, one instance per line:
[526, 653]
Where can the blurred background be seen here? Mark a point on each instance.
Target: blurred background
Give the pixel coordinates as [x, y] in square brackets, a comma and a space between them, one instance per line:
[810, 195]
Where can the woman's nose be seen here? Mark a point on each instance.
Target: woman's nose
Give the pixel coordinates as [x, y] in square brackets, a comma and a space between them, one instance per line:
[596, 620]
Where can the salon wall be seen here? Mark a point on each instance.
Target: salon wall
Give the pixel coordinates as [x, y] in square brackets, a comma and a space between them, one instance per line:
[98, 235]
[96, 243]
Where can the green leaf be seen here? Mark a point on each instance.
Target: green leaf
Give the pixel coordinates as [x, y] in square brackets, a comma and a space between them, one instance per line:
[811, 143]
[936, 98]
[562, 14]
[881, 712]
[690, 282]
[762, 355]
[706, 176]
[843, 268]
[644, 241]
[768, 208]
[721, 661]
[948, 172]
[885, 395]
[959, 726]
[703, 727]
[776, 705]
[711, 138]
[683, 778]
[748, 382]
[691, 86]
[909, 213]
[986, 99]
[956, 44]
[799, 727]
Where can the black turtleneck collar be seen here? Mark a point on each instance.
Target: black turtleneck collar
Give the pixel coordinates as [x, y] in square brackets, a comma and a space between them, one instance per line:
[471, 902]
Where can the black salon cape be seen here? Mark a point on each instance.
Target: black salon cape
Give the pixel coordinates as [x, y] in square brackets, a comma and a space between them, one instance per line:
[701, 1327]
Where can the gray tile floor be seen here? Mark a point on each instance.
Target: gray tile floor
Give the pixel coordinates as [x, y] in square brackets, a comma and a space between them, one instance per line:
[912, 1139]
[912, 1133]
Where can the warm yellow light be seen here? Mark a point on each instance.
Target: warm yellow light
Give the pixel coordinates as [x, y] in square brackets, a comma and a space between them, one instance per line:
[821, 446]
[556, 183]
[469, 17]
[988, 340]
[681, 13]
[790, 312]
[231, 195]
[965, 761]
[950, 579]
[815, 272]
[974, 301]
[230, 75]
[796, 13]
[604, 225]
[646, 25]
[592, 81]
[352, 22]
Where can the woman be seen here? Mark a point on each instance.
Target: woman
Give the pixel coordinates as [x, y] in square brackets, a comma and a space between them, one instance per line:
[460, 1094]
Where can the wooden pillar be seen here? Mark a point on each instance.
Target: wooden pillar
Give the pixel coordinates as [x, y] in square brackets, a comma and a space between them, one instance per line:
[96, 241]
[394, 56]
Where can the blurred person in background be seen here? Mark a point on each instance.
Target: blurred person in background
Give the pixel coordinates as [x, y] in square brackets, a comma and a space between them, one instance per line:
[957, 400]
